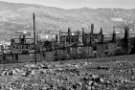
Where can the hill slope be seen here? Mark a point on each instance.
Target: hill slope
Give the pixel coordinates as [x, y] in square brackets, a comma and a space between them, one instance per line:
[18, 17]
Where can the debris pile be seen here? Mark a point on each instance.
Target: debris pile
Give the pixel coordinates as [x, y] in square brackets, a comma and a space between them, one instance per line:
[79, 76]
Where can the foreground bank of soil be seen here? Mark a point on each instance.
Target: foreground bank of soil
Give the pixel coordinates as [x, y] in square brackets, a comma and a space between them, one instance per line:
[118, 75]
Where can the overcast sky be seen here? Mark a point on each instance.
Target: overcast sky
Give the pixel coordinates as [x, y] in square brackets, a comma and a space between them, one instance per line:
[67, 4]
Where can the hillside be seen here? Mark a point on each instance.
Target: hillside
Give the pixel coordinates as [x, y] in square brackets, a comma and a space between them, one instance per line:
[18, 17]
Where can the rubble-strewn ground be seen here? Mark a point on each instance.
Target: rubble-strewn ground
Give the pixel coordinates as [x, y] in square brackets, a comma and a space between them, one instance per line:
[72, 75]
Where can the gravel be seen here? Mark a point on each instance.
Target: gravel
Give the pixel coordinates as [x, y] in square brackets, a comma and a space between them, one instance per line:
[71, 76]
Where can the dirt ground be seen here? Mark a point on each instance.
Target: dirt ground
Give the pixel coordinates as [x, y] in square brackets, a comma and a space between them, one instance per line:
[112, 73]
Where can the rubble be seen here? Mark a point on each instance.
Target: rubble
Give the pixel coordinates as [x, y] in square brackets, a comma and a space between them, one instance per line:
[79, 76]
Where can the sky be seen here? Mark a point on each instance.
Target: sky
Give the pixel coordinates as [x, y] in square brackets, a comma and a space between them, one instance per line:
[69, 4]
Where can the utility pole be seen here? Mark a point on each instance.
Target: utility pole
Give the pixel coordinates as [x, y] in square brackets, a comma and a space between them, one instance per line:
[34, 37]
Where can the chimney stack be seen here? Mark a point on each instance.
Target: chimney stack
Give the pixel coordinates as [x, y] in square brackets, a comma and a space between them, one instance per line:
[83, 33]
[91, 34]
[59, 36]
[69, 35]
[56, 38]
[34, 28]
[92, 28]
[126, 36]
[114, 35]
[34, 37]
[102, 36]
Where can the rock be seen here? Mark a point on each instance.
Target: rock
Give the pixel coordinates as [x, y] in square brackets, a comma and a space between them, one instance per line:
[102, 80]
[4, 73]
[10, 73]
[43, 66]
[33, 72]
[27, 73]
[31, 66]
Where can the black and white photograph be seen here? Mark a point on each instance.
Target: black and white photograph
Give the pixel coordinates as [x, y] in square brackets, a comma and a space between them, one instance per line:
[67, 44]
